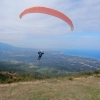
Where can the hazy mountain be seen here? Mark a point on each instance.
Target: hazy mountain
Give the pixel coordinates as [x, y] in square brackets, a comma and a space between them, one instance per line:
[5, 47]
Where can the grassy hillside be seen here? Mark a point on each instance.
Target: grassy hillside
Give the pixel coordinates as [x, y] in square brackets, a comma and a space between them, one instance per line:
[53, 89]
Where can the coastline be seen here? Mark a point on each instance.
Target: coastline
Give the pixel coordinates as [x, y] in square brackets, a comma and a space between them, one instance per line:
[93, 54]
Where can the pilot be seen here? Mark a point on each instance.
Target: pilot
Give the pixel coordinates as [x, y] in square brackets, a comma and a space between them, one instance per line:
[40, 54]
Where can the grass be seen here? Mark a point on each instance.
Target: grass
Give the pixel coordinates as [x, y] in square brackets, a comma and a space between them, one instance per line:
[53, 89]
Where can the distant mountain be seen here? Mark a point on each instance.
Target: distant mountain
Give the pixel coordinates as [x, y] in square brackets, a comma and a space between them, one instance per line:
[6, 47]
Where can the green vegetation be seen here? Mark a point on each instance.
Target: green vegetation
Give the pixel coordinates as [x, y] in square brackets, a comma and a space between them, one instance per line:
[53, 89]
[82, 86]
[17, 72]
[86, 74]
[39, 71]
[10, 77]
[28, 68]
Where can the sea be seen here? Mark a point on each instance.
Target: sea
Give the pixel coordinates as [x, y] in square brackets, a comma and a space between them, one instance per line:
[93, 54]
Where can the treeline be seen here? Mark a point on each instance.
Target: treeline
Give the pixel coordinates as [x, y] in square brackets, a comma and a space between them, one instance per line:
[11, 77]
[85, 75]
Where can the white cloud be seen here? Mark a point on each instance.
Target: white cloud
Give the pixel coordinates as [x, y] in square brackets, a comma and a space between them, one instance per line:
[84, 14]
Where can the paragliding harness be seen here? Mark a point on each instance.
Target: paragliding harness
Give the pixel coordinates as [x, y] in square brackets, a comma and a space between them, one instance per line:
[40, 54]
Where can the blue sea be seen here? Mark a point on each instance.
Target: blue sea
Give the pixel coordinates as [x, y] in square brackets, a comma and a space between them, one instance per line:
[94, 54]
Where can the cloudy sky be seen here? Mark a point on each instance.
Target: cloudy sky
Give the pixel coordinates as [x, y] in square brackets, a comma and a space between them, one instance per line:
[47, 32]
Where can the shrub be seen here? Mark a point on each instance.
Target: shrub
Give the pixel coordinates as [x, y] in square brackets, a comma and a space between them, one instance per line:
[71, 78]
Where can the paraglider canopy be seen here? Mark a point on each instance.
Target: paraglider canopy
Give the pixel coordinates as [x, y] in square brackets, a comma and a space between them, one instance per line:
[45, 10]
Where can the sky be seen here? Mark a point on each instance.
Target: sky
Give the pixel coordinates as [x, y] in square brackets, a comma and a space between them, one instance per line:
[44, 31]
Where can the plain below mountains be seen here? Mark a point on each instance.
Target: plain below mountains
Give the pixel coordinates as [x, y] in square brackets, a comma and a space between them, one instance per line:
[53, 63]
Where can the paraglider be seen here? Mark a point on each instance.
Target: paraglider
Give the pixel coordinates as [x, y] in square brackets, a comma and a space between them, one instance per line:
[49, 11]
[40, 52]
[45, 10]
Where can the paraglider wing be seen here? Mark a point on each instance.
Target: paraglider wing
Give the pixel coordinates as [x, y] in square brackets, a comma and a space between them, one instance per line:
[49, 11]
